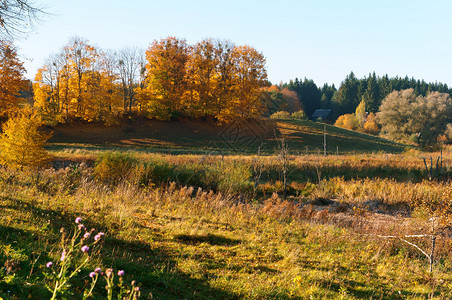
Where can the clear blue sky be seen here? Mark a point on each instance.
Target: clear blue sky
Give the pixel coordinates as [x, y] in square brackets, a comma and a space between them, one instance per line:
[318, 39]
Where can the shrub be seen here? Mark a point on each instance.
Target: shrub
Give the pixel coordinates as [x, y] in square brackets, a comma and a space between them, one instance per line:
[300, 115]
[280, 115]
[233, 177]
[448, 132]
[370, 125]
[115, 167]
[347, 121]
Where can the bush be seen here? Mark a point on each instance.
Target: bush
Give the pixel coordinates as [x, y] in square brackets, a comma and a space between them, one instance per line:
[280, 115]
[115, 167]
[448, 132]
[299, 115]
[232, 177]
[347, 121]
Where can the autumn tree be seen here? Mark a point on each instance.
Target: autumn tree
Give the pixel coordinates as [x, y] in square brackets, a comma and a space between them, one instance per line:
[82, 58]
[404, 114]
[202, 77]
[370, 125]
[359, 121]
[166, 76]
[65, 92]
[210, 79]
[292, 100]
[436, 113]
[360, 113]
[47, 87]
[225, 70]
[21, 142]
[129, 65]
[12, 80]
[249, 76]
[108, 96]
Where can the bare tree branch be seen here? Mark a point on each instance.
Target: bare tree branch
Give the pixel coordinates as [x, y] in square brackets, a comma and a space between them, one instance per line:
[18, 17]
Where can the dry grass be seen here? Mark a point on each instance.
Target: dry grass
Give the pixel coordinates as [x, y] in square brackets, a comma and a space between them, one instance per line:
[187, 242]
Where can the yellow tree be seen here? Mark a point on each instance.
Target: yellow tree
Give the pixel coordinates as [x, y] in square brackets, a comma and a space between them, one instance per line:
[12, 80]
[65, 92]
[47, 89]
[81, 59]
[249, 76]
[21, 143]
[361, 113]
[166, 80]
[42, 90]
[201, 79]
[371, 126]
[224, 78]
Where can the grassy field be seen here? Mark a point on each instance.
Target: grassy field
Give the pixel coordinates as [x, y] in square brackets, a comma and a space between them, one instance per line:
[201, 225]
[197, 137]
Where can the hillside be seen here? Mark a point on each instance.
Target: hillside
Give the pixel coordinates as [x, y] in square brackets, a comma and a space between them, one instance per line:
[194, 136]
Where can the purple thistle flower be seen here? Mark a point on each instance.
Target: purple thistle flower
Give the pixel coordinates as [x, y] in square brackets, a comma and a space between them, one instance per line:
[81, 226]
[101, 234]
[121, 272]
[92, 274]
[137, 289]
[78, 220]
[97, 270]
[86, 235]
[49, 264]
[63, 255]
[85, 249]
[97, 237]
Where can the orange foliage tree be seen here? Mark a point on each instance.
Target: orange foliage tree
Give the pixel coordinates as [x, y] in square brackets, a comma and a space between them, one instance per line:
[248, 77]
[210, 79]
[202, 77]
[12, 81]
[166, 79]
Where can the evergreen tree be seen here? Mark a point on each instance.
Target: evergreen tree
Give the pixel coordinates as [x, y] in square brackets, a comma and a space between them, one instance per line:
[327, 94]
[372, 96]
[346, 99]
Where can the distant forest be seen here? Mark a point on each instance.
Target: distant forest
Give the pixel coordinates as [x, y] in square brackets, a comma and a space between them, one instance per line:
[372, 89]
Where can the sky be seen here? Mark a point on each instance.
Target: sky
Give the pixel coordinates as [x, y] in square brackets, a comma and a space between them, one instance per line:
[317, 39]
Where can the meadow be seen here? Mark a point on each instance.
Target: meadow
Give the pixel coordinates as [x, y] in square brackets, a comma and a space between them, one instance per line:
[197, 224]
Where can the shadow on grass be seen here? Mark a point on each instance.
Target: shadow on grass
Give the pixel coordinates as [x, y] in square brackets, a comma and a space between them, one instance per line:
[154, 267]
[360, 290]
[211, 239]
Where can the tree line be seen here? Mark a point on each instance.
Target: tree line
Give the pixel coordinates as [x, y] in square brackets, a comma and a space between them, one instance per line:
[211, 79]
[371, 89]
[170, 79]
